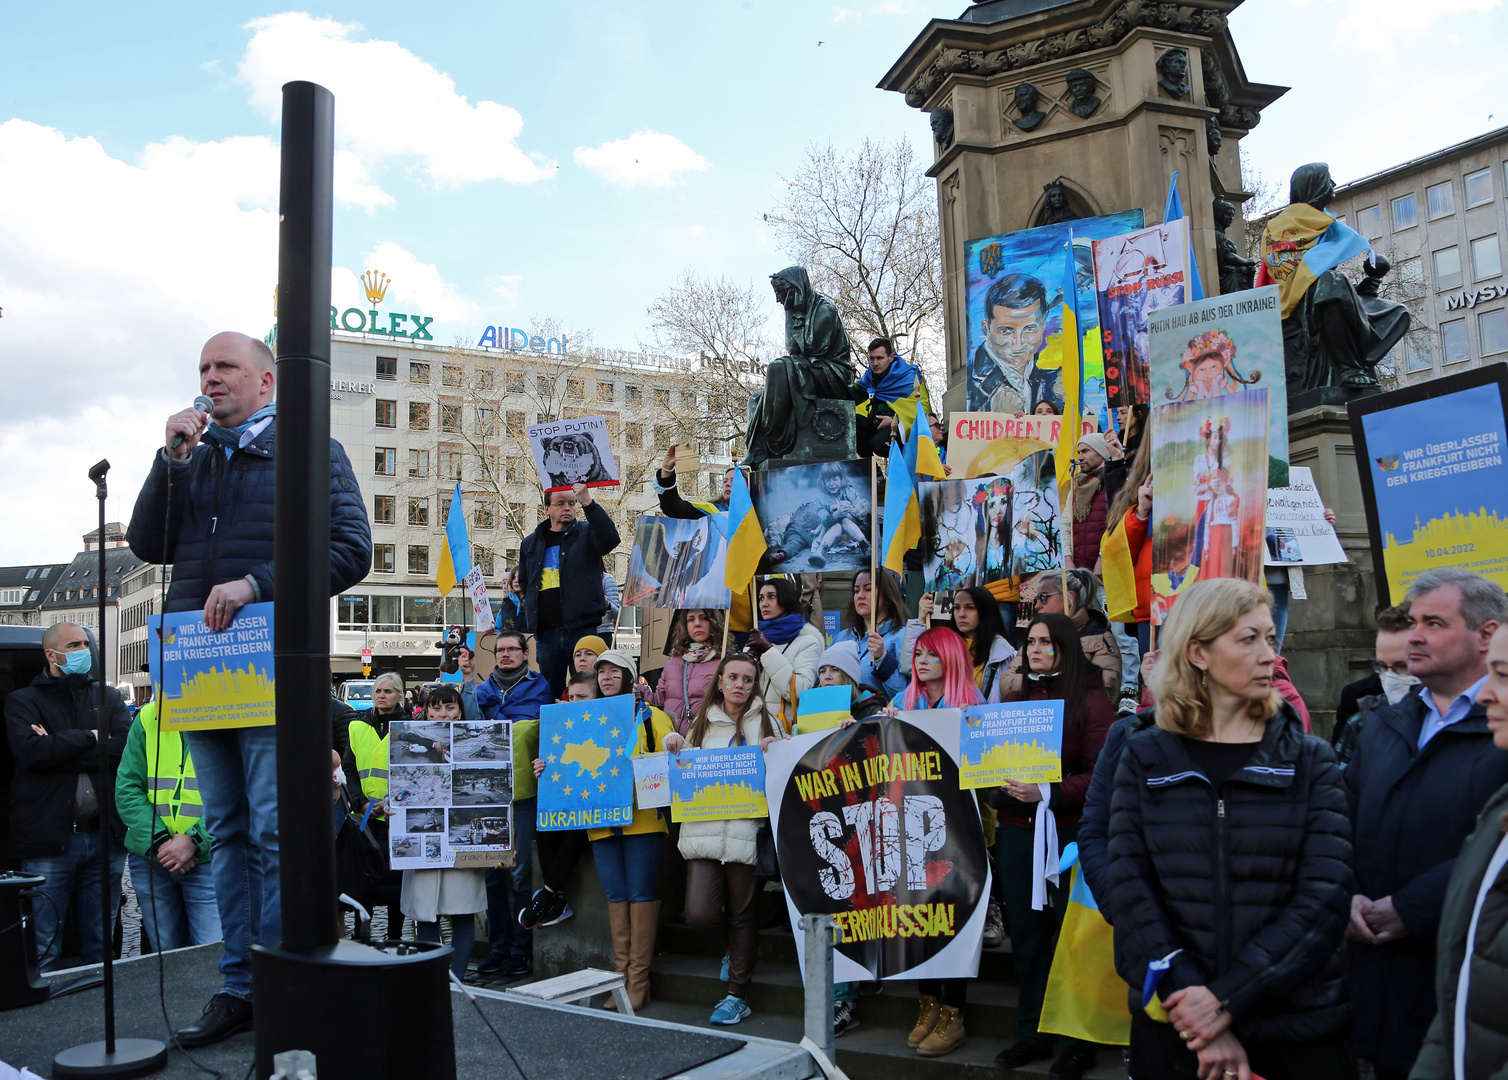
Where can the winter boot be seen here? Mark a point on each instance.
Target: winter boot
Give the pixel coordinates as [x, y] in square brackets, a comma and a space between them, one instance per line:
[618, 922]
[645, 921]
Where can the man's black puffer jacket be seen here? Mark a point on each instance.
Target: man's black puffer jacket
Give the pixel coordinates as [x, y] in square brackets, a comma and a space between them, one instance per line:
[221, 526]
[1253, 882]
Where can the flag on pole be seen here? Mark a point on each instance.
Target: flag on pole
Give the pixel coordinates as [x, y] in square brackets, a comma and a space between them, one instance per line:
[746, 544]
[1120, 572]
[455, 553]
[922, 458]
[902, 523]
[1172, 211]
[1073, 411]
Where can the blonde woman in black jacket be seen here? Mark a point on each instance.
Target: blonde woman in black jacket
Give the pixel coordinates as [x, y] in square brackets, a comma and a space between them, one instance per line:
[1230, 851]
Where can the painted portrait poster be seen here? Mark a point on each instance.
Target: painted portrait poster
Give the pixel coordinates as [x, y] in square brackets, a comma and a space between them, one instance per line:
[1210, 461]
[991, 528]
[576, 450]
[815, 517]
[1220, 346]
[1015, 315]
[679, 563]
[1136, 274]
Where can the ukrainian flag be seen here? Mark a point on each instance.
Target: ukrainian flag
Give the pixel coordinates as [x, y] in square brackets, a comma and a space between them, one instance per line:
[746, 545]
[823, 707]
[922, 458]
[1173, 210]
[902, 523]
[1086, 998]
[1299, 245]
[455, 553]
[1120, 573]
[1068, 431]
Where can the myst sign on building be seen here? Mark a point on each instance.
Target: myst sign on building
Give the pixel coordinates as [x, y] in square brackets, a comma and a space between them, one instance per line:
[1457, 301]
[516, 340]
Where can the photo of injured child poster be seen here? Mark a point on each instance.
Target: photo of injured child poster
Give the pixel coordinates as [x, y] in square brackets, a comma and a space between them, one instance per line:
[815, 517]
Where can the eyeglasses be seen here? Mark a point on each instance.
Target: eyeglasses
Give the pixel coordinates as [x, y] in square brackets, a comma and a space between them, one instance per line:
[1400, 668]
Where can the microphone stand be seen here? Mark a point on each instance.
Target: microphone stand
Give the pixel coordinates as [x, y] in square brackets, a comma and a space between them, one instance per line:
[113, 1057]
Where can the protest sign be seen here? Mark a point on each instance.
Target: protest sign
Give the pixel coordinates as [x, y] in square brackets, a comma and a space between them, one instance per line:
[1136, 274]
[1014, 740]
[481, 607]
[652, 780]
[1222, 345]
[1211, 463]
[814, 517]
[207, 680]
[1430, 458]
[872, 828]
[991, 528]
[823, 707]
[989, 444]
[1297, 532]
[450, 791]
[576, 450]
[588, 782]
[679, 563]
[717, 784]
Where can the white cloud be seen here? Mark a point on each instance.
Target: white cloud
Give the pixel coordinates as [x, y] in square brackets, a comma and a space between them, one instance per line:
[509, 287]
[390, 106]
[1377, 25]
[414, 286]
[644, 159]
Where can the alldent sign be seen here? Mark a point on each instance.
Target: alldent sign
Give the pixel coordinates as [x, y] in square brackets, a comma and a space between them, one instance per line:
[516, 340]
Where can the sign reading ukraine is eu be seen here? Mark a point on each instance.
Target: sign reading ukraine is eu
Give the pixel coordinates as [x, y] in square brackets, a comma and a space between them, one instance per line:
[587, 746]
[718, 784]
[206, 680]
[1015, 740]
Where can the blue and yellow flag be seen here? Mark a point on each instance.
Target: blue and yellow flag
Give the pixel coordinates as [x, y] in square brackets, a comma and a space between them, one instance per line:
[901, 526]
[746, 544]
[1299, 244]
[823, 707]
[1073, 380]
[1173, 210]
[1086, 997]
[922, 458]
[455, 553]
[1120, 573]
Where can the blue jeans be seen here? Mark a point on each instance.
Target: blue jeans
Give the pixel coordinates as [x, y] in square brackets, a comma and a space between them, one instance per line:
[508, 890]
[237, 769]
[627, 865]
[177, 910]
[1125, 637]
[1279, 591]
[553, 652]
[462, 938]
[74, 876]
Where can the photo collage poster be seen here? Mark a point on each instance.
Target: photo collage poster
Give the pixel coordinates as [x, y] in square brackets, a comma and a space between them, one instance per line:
[450, 790]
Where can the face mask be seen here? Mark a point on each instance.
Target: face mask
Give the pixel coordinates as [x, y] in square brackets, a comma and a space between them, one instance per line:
[1396, 686]
[77, 663]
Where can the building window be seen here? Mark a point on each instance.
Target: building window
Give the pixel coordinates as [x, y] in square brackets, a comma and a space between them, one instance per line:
[418, 511]
[450, 419]
[384, 509]
[387, 413]
[481, 558]
[688, 399]
[1448, 269]
[1486, 259]
[418, 416]
[661, 398]
[575, 389]
[604, 391]
[387, 368]
[665, 434]
[546, 418]
[418, 371]
[484, 514]
[514, 422]
[386, 461]
[1453, 341]
[418, 463]
[485, 379]
[418, 558]
[451, 375]
[450, 464]
[1442, 200]
[31, 573]
[382, 558]
[511, 471]
[1492, 326]
[516, 516]
[513, 381]
[1479, 187]
[1416, 352]
[484, 466]
[632, 394]
[12, 596]
[1405, 212]
[1369, 222]
[633, 436]
[486, 421]
[1411, 278]
[444, 510]
[544, 385]
[353, 612]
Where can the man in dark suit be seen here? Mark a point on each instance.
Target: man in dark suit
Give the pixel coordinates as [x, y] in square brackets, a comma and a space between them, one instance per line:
[1388, 684]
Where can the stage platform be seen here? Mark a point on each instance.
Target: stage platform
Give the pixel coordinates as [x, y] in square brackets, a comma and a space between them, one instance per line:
[550, 1042]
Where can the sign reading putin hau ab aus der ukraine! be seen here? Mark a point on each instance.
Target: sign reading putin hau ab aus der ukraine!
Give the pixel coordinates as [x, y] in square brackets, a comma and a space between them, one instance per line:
[587, 747]
[206, 679]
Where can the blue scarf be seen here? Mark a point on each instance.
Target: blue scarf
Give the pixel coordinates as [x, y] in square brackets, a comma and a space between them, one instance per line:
[783, 631]
[897, 382]
[229, 439]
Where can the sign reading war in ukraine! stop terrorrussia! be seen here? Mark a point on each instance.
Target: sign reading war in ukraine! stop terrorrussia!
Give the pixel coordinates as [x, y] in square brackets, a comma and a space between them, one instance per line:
[208, 680]
[588, 782]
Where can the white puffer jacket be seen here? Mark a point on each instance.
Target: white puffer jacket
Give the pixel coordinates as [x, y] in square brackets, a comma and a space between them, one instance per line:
[733, 841]
[783, 667]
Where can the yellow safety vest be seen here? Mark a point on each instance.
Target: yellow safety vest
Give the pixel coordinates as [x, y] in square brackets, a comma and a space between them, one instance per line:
[371, 757]
[170, 776]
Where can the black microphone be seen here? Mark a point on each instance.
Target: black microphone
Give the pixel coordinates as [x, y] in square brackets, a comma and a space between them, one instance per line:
[204, 405]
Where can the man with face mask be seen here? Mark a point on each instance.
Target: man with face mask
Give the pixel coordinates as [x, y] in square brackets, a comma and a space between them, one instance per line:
[1389, 683]
[57, 817]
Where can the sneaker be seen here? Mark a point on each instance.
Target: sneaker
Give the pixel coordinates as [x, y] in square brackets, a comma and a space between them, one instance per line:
[994, 927]
[516, 967]
[845, 1017]
[723, 972]
[1021, 1053]
[528, 915]
[492, 965]
[547, 909]
[1129, 703]
[730, 1010]
[1075, 1060]
[558, 912]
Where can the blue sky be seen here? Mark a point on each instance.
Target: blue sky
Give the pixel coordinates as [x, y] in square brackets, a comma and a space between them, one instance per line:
[502, 160]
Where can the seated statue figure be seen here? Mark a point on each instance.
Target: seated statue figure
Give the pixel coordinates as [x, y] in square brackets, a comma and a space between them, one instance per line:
[819, 365]
[1334, 332]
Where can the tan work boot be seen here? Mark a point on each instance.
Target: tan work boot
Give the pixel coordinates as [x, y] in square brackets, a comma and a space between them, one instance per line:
[947, 1036]
[925, 1022]
[645, 921]
[618, 922]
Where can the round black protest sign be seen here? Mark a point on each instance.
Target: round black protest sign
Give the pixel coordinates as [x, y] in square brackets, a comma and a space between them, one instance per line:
[874, 830]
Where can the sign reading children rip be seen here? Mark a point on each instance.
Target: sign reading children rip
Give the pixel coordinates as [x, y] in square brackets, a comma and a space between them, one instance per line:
[717, 784]
[1015, 740]
[576, 450]
[987, 444]
[587, 746]
[872, 828]
[209, 680]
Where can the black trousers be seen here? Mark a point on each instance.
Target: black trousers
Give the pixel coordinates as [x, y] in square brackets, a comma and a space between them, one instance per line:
[559, 851]
[1157, 1053]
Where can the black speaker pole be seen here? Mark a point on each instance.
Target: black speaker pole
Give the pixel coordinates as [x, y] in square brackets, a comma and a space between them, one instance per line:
[113, 1057]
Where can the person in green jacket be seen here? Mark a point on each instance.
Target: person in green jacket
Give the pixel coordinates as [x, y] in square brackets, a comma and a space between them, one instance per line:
[168, 846]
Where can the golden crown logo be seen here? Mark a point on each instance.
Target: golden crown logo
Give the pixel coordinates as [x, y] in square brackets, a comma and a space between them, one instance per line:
[375, 282]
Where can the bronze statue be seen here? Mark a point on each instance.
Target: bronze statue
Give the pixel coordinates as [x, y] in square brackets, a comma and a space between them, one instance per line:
[1213, 137]
[942, 127]
[1026, 99]
[1334, 332]
[1055, 208]
[1236, 273]
[1082, 86]
[818, 366]
[1173, 66]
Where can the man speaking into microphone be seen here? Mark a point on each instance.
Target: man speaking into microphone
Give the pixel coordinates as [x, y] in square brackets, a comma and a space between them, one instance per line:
[206, 508]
